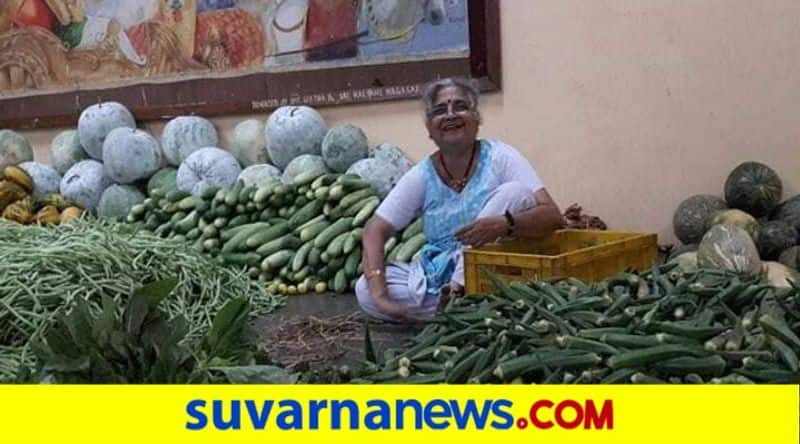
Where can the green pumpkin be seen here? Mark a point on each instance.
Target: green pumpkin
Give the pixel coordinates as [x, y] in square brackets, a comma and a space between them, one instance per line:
[791, 257]
[789, 212]
[753, 188]
[692, 217]
[774, 237]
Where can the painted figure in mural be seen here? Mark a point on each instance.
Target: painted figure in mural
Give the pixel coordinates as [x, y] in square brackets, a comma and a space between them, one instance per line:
[63, 43]
[470, 192]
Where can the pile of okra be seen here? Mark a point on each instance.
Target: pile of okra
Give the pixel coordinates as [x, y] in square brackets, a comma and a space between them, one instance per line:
[662, 326]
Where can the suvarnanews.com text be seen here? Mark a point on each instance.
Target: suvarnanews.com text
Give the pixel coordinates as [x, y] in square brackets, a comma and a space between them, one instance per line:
[398, 414]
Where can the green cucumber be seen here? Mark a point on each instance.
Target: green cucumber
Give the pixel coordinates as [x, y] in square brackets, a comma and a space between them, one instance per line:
[352, 262]
[308, 212]
[221, 210]
[229, 233]
[238, 220]
[350, 243]
[246, 194]
[189, 203]
[335, 229]
[351, 183]
[319, 218]
[412, 229]
[336, 192]
[209, 193]
[232, 196]
[366, 211]
[390, 243]
[277, 260]
[336, 246]
[210, 231]
[321, 193]
[410, 247]
[193, 234]
[306, 177]
[324, 180]
[178, 216]
[313, 231]
[241, 259]
[356, 196]
[256, 239]
[237, 242]
[314, 255]
[340, 282]
[265, 191]
[175, 195]
[286, 242]
[301, 274]
[185, 225]
[210, 244]
[299, 260]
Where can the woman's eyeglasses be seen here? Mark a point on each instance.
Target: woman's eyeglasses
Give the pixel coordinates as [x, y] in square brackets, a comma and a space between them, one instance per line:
[457, 107]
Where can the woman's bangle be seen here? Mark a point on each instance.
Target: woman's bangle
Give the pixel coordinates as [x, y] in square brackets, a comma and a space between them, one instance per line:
[373, 273]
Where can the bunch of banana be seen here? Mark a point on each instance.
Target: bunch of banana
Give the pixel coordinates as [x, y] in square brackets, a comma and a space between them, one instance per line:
[17, 204]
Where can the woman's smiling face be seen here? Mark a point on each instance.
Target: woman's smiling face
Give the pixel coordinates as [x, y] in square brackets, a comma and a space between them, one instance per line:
[452, 120]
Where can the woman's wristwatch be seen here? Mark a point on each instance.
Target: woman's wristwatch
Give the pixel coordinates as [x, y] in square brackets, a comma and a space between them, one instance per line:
[510, 223]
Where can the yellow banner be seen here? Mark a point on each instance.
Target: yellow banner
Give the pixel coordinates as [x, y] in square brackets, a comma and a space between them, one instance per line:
[351, 414]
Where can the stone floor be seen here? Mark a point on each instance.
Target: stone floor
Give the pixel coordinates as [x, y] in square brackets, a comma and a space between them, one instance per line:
[330, 305]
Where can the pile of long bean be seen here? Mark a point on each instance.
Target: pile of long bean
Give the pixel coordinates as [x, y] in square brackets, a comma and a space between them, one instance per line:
[42, 269]
[662, 326]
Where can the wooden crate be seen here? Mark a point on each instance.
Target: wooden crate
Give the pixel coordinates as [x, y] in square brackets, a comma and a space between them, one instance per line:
[585, 254]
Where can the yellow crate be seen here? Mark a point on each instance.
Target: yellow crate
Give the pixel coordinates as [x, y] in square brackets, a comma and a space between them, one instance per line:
[585, 254]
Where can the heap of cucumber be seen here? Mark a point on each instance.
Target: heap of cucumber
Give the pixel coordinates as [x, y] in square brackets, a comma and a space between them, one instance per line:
[298, 237]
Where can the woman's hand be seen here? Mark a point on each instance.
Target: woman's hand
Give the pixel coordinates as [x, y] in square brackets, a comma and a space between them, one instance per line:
[483, 231]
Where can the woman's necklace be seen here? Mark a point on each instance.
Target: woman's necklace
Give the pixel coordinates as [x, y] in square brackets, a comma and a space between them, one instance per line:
[458, 184]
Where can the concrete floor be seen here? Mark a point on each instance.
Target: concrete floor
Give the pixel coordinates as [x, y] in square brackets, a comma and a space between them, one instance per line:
[330, 305]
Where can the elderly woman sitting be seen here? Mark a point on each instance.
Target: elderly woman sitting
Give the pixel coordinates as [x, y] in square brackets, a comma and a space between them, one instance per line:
[470, 192]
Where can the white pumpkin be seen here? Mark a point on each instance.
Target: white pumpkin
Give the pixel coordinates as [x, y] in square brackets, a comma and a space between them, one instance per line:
[66, 150]
[46, 179]
[85, 183]
[304, 163]
[97, 121]
[382, 175]
[117, 201]
[258, 175]
[186, 134]
[14, 149]
[130, 155]
[249, 142]
[293, 131]
[343, 146]
[205, 168]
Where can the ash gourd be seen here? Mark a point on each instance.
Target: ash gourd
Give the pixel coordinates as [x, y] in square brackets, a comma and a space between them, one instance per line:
[184, 135]
[97, 121]
[14, 149]
[292, 131]
[66, 150]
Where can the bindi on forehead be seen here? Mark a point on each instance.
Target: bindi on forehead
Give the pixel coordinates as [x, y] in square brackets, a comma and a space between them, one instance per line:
[450, 95]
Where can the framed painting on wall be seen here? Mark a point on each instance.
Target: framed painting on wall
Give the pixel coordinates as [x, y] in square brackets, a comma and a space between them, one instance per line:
[163, 58]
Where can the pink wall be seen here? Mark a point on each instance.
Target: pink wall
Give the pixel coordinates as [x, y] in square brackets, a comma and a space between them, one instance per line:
[628, 106]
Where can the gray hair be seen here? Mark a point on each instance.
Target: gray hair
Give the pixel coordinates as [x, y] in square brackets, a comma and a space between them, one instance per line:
[468, 87]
